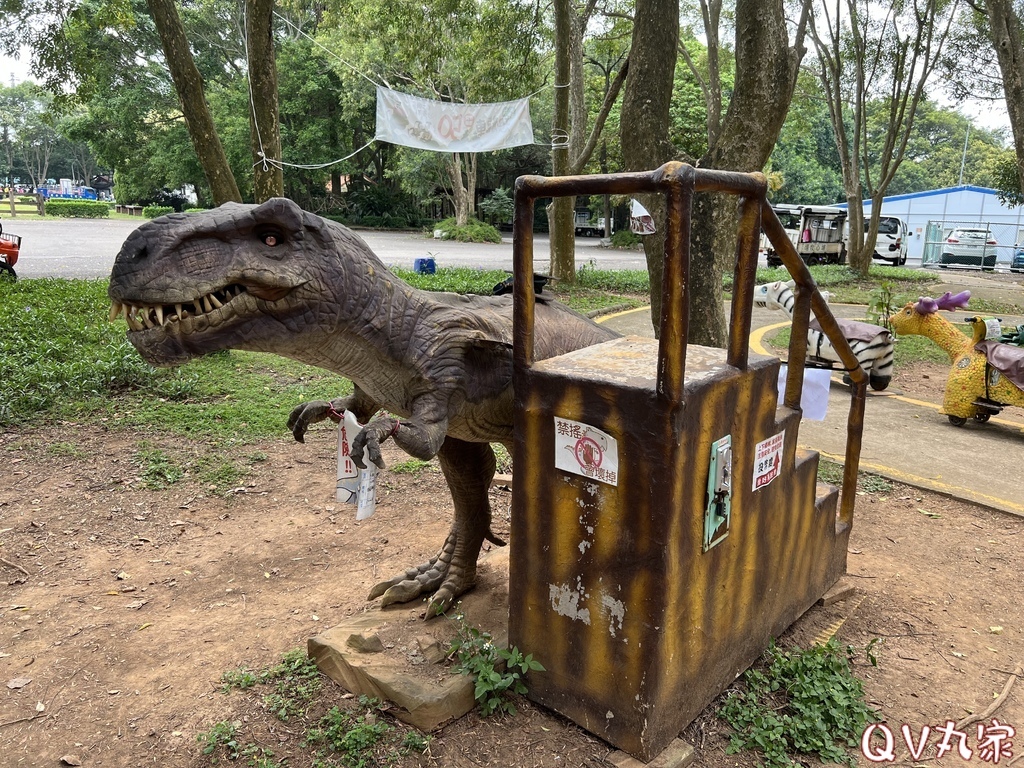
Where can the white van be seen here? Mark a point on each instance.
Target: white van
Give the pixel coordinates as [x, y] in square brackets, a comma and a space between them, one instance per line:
[891, 243]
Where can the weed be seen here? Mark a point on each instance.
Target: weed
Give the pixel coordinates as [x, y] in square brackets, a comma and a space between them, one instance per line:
[67, 450]
[223, 734]
[800, 701]
[240, 678]
[222, 475]
[353, 737]
[158, 470]
[497, 671]
[410, 467]
[414, 741]
[502, 459]
[296, 679]
[831, 472]
[881, 303]
[257, 457]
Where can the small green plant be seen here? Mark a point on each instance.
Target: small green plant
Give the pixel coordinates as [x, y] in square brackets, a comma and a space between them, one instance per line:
[224, 735]
[881, 303]
[497, 671]
[473, 231]
[799, 701]
[414, 741]
[158, 470]
[625, 238]
[410, 467]
[68, 450]
[296, 679]
[352, 737]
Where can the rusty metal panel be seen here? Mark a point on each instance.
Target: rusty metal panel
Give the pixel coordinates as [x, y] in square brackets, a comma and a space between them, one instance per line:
[639, 624]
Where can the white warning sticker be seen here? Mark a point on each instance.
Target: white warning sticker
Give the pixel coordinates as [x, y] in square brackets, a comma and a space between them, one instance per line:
[768, 459]
[585, 450]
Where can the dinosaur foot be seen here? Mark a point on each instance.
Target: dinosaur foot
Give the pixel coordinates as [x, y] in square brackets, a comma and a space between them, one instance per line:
[444, 578]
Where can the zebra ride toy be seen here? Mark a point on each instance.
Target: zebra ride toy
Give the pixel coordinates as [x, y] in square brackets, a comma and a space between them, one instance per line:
[872, 344]
[986, 376]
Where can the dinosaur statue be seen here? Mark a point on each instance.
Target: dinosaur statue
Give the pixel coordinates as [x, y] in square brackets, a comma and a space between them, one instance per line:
[872, 344]
[273, 278]
[986, 375]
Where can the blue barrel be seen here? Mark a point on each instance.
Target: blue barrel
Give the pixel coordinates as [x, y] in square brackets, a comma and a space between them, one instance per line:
[424, 266]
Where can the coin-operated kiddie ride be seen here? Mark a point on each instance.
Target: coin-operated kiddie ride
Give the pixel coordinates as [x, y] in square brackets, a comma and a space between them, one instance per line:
[665, 525]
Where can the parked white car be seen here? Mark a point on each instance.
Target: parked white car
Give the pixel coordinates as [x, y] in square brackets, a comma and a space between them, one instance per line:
[969, 246]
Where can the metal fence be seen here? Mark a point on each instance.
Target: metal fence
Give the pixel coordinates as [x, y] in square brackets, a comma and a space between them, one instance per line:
[938, 252]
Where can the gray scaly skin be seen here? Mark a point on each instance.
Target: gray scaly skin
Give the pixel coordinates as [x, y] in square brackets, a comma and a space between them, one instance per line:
[273, 278]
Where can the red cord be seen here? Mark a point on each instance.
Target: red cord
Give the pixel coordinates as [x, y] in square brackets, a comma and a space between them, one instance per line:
[334, 414]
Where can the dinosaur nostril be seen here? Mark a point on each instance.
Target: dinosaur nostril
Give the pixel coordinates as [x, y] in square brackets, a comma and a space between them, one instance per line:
[140, 253]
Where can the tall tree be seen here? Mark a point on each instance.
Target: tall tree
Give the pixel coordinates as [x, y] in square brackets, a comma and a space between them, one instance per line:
[573, 137]
[867, 51]
[189, 85]
[268, 179]
[741, 139]
[1005, 32]
[646, 102]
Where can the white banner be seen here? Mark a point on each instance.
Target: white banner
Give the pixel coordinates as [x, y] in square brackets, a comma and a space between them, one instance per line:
[441, 126]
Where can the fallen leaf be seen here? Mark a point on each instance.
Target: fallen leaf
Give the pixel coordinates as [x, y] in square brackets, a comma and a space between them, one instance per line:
[996, 630]
[40, 707]
[136, 604]
[147, 624]
[18, 682]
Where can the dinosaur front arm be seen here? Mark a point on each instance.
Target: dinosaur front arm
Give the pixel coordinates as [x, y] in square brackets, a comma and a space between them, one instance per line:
[304, 415]
[420, 435]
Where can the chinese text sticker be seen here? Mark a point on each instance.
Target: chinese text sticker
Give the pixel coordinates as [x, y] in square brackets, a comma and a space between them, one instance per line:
[768, 459]
[587, 451]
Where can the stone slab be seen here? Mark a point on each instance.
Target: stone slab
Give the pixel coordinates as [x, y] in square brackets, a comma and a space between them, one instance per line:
[841, 590]
[678, 754]
[393, 654]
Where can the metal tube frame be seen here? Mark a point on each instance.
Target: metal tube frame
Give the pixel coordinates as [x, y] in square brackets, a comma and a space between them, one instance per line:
[679, 182]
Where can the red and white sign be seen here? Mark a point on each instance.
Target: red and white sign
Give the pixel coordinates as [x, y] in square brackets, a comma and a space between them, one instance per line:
[585, 450]
[768, 459]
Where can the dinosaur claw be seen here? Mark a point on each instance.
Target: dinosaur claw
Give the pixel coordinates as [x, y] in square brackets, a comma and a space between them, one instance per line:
[440, 603]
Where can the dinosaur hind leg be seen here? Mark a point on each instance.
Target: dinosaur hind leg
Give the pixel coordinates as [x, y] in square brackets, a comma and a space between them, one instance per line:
[468, 468]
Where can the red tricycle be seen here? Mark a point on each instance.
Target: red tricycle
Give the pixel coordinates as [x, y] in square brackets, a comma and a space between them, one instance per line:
[10, 247]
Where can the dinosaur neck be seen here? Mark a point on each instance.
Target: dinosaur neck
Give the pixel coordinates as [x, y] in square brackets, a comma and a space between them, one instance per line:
[946, 335]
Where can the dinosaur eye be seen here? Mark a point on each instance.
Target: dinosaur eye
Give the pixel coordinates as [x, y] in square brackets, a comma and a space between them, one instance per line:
[270, 237]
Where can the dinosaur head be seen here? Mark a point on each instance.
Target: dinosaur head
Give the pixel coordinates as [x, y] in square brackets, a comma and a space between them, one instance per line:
[192, 283]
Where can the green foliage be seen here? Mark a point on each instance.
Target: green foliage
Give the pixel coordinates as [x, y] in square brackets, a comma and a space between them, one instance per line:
[625, 238]
[831, 472]
[414, 741]
[473, 231]
[152, 211]
[497, 671]
[502, 459]
[498, 206]
[296, 679]
[222, 735]
[881, 304]
[158, 471]
[77, 209]
[353, 738]
[410, 467]
[614, 280]
[805, 702]
[454, 279]
[59, 355]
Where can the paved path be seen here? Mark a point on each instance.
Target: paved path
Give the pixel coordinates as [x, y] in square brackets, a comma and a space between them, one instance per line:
[904, 439]
[85, 249]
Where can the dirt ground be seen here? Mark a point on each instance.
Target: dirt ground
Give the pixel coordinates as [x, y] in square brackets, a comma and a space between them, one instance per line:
[122, 606]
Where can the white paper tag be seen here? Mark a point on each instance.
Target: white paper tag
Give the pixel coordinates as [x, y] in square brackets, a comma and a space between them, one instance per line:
[367, 491]
[347, 488]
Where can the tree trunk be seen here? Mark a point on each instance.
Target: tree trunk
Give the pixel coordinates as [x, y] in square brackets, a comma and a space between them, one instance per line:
[1005, 32]
[766, 69]
[645, 118]
[189, 85]
[460, 198]
[268, 178]
[560, 210]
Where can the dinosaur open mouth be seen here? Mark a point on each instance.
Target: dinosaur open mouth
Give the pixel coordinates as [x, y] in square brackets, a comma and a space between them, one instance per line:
[142, 316]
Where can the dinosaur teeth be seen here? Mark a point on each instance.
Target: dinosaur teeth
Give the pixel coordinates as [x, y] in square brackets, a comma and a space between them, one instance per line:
[146, 316]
